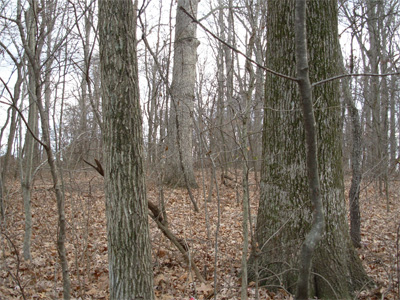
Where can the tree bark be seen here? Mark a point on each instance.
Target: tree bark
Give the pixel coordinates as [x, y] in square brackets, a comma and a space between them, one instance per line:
[179, 170]
[129, 251]
[356, 161]
[284, 216]
[314, 236]
[27, 170]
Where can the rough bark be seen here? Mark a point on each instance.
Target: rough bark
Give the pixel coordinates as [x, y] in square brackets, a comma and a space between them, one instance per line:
[129, 252]
[373, 96]
[180, 126]
[159, 218]
[356, 161]
[284, 216]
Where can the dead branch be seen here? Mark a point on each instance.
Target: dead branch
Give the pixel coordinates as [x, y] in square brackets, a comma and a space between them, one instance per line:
[156, 215]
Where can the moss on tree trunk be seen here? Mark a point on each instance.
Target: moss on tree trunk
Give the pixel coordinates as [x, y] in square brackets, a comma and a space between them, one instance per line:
[284, 216]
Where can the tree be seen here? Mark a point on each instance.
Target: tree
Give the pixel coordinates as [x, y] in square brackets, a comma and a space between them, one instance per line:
[12, 130]
[129, 252]
[29, 146]
[356, 160]
[33, 45]
[179, 170]
[284, 216]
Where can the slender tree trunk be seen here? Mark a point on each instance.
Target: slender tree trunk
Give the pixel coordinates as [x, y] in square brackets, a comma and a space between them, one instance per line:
[33, 46]
[314, 236]
[13, 122]
[247, 93]
[29, 146]
[392, 122]
[356, 161]
[11, 137]
[62, 224]
[374, 97]
[129, 252]
[219, 143]
[26, 175]
[84, 142]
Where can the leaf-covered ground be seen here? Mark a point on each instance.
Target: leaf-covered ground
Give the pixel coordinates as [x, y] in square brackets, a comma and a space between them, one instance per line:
[40, 278]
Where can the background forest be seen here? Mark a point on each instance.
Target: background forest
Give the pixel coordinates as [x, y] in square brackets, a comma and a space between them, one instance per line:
[184, 127]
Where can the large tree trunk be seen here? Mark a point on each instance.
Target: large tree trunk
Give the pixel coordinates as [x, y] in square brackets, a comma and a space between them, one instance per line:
[129, 252]
[284, 216]
[180, 126]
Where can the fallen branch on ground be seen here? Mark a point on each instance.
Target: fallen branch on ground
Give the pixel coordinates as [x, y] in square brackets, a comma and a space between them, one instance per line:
[156, 215]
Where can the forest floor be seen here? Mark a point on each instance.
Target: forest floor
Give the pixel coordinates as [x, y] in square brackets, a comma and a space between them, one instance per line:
[40, 278]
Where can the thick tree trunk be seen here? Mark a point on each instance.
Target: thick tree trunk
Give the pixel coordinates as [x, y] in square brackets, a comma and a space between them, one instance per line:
[180, 126]
[284, 216]
[129, 252]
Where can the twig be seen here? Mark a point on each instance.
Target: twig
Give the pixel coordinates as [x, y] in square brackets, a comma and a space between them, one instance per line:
[275, 72]
[20, 113]
[352, 75]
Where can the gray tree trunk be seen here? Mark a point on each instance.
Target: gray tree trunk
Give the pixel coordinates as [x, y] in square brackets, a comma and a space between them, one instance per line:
[180, 125]
[356, 161]
[129, 251]
[392, 122]
[374, 96]
[29, 145]
[314, 236]
[11, 134]
[27, 169]
[33, 45]
[284, 216]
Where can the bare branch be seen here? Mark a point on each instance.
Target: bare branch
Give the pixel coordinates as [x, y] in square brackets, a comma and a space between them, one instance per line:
[236, 50]
[20, 113]
[353, 75]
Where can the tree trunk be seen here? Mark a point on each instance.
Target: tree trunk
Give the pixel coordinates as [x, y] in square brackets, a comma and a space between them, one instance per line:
[29, 145]
[11, 136]
[374, 97]
[129, 252]
[356, 160]
[313, 237]
[180, 126]
[284, 216]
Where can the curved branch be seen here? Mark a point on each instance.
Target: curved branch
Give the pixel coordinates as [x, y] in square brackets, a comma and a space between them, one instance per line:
[21, 115]
[353, 75]
[236, 50]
